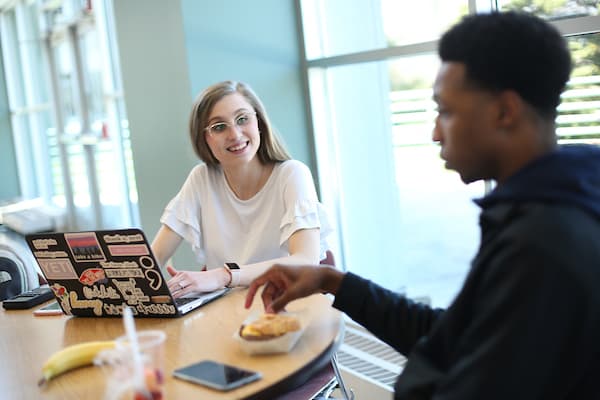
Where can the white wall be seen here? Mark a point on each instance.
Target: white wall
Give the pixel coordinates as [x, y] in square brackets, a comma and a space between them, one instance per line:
[155, 76]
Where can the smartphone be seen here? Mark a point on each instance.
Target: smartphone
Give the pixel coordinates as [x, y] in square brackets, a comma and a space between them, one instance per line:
[216, 375]
[29, 299]
[50, 309]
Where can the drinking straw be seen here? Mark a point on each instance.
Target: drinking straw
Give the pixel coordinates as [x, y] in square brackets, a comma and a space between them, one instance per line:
[138, 367]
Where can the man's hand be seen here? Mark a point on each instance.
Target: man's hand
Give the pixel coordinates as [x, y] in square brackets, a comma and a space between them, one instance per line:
[286, 283]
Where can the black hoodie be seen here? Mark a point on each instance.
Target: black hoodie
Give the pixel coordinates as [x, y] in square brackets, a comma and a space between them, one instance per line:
[569, 176]
[526, 324]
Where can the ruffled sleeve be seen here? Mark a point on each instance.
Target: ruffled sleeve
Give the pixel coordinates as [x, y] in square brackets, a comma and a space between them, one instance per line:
[302, 208]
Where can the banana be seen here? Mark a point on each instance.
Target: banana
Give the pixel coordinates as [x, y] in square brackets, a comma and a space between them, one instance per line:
[72, 357]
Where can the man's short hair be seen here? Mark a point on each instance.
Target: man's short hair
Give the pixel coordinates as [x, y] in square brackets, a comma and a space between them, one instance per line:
[515, 51]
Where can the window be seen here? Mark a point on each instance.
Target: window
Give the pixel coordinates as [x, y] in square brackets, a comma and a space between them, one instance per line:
[552, 9]
[68, 117]
[579, 113]
[28, 99]
[403, 220]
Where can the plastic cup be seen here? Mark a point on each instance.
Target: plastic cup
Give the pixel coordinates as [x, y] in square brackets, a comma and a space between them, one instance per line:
[121, 380]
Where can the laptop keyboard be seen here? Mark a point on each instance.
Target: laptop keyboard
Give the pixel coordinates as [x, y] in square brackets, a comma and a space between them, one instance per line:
[180, 301]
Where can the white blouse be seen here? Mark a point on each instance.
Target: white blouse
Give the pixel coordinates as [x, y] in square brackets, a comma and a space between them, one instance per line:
[222, 228]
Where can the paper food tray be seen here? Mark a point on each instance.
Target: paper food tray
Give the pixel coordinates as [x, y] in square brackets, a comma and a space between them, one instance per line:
[281, 344]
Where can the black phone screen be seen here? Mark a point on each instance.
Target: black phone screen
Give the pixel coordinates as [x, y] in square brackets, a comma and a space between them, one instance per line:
[216, 375]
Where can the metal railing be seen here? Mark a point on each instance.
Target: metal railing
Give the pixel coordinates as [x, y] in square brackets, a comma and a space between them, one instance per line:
[413, 113]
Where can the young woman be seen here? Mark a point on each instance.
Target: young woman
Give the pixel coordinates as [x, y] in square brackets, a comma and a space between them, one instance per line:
[248, 205]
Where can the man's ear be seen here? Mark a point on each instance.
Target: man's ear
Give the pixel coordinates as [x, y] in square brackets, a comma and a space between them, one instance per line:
[511, 108]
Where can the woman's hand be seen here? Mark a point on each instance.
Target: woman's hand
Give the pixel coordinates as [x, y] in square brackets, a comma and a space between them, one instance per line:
[186, 282]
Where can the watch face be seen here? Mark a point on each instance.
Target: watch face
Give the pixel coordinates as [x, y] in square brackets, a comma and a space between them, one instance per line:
[232, 266]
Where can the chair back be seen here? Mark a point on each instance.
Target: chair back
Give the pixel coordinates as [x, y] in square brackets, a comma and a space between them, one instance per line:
[329, 259]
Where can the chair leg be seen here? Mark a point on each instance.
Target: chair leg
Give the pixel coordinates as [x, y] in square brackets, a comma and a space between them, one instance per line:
[326, 391]
[347, 394]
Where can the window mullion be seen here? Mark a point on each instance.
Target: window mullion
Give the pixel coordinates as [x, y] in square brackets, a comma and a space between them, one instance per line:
[60, 135]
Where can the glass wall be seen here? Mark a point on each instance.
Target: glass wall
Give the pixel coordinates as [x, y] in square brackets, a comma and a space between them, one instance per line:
[403, 220]
[66, 103]
[552, 10]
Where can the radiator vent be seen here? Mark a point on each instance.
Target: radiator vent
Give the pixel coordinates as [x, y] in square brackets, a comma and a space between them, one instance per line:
[364, 355]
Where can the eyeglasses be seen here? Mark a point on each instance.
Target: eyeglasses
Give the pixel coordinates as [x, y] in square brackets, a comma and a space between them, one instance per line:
[242, 119]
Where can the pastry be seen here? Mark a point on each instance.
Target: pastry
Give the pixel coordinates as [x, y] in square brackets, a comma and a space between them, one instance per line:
[269, 326]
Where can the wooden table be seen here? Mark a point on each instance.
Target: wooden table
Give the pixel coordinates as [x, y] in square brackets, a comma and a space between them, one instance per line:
[26, 341]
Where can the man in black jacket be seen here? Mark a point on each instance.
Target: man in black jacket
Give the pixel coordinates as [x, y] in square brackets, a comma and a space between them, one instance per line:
[526, 323]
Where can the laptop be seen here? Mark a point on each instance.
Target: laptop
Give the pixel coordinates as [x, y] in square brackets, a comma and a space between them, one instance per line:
[99, 273]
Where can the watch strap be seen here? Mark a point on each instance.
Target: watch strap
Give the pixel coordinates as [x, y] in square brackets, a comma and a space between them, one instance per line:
[234, 272]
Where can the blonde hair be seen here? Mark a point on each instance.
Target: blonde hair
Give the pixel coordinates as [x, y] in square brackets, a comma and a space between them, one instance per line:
[271, 147]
